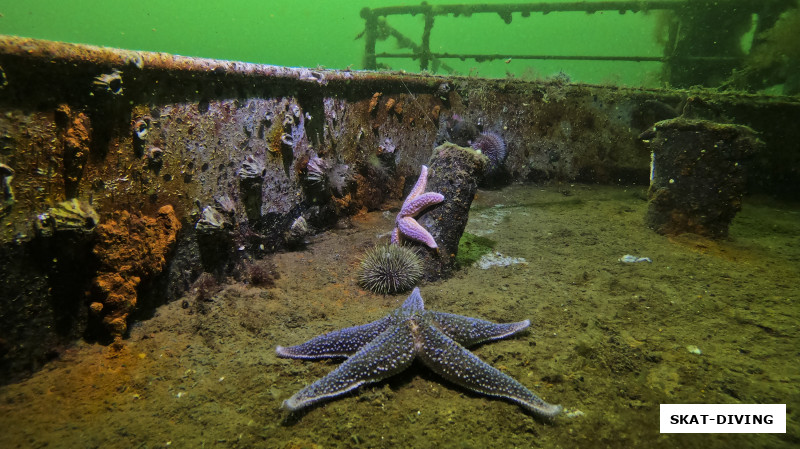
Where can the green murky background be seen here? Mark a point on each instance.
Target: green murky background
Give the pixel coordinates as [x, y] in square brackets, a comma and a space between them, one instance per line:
[312, 33]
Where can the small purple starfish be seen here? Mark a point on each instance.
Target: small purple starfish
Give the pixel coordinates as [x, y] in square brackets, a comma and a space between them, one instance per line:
[416, 202]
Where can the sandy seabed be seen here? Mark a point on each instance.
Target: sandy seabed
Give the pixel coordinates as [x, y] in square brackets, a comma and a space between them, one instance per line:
[609, 341]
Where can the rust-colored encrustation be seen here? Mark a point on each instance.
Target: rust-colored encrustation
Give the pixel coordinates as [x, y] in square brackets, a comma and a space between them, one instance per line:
[129, 247]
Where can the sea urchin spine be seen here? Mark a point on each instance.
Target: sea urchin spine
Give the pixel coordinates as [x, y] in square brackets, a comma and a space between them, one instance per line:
[493, 147]
[388, 269]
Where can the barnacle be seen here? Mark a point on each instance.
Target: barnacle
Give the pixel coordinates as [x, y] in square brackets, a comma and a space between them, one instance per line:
[252, 169]
[298, 230]
[154, 156]
[296, 111]
[327, 175]
[110, 83]
[316, 170]
[287, 139]
[305, 74]
[226, 204]
[141, 127]
[67, 216]
[134, 58]
[443, 89]
[6, 175]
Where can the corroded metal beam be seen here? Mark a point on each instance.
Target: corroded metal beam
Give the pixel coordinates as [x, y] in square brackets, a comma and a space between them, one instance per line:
[505, 9]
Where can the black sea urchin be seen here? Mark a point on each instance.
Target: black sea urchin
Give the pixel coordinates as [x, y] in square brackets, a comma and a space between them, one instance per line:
[388, 269]
[492, 146]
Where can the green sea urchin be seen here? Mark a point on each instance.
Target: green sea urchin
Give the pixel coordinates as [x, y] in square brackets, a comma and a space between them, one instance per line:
[388, 269]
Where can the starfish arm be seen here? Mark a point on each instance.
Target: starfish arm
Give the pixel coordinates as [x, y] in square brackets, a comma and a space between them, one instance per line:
[456, 364]
[471, 331]
[414, 231]
[414, 302]
[339, 343]
[419, 187]
[396, 236]
[391, 352]
[416, 205]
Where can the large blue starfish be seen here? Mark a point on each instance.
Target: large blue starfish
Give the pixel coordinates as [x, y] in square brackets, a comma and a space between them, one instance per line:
[417, 201]
[385, 347]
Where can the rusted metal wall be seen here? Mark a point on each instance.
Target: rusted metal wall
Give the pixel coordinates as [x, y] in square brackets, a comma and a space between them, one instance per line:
[228, 145]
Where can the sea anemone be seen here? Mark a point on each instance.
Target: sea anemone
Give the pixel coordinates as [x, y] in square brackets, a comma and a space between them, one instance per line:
[493, 147]
[388, 269]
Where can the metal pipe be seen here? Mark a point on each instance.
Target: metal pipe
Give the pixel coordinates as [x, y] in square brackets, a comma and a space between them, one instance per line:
[543, 7]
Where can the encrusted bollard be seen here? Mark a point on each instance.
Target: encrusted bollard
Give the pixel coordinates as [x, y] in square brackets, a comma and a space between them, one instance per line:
[455, 173]
[697, 176]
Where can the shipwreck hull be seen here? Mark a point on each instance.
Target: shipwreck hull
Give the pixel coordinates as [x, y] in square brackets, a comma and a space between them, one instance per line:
[134, 131]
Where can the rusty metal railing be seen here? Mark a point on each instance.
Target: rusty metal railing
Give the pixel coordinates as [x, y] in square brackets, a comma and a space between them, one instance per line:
[377, 28]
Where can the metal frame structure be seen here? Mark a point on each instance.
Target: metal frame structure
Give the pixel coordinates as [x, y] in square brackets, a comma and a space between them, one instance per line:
[377, 28]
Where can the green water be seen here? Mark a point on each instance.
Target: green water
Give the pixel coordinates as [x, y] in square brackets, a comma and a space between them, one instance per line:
[313, 33]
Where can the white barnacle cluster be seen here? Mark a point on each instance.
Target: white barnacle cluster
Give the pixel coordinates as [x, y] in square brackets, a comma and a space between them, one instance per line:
[211, 221]
[252, 169]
